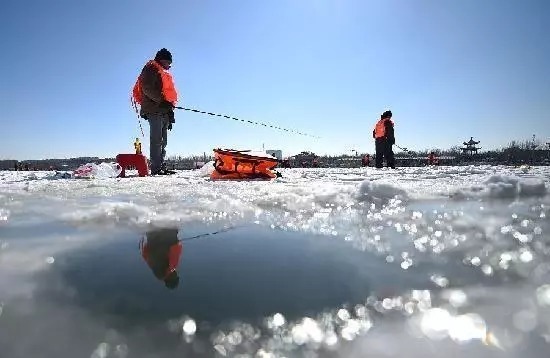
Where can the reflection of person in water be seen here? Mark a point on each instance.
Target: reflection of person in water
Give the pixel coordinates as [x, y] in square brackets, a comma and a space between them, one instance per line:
[162, 252]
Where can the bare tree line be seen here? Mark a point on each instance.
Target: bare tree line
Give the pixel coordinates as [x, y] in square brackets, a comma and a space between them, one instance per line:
[517, 152]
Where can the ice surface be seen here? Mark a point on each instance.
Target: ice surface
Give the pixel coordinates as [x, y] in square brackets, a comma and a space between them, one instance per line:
[299, 197]
[494, 219]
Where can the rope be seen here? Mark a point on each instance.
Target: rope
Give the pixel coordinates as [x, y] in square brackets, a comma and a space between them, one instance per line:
[267, 125]
[134, 104]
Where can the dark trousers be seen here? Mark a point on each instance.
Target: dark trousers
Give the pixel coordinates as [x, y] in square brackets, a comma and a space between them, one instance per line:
[384, 150]
[158, 138]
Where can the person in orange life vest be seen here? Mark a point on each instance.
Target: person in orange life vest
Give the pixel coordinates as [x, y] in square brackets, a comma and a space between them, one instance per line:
[384, 138]
[155, 92]
[432, 159]
[162, 252]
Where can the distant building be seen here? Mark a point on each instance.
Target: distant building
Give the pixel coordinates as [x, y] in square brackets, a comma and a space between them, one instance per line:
[277, 153]
[470, 147]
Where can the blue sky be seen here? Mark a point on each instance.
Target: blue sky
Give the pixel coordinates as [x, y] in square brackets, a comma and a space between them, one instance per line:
[447, 69]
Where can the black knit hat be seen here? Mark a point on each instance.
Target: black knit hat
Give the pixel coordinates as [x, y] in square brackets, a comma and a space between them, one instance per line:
[386, 114]
[163, 54]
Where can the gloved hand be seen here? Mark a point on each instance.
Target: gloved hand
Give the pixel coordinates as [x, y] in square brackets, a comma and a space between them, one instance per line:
[170, 126]
[171, 117]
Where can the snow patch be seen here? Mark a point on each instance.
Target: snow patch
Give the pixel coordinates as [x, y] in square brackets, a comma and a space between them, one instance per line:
[206, 169]
[504, 187]
[374, 191]
[128, 213]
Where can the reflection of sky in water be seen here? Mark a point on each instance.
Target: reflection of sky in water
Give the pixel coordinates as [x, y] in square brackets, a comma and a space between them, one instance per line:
[412, 263]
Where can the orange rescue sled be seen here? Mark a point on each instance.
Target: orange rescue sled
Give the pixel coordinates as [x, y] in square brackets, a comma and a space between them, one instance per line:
[232, 164]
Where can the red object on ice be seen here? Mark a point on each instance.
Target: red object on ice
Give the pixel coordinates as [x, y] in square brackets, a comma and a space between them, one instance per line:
[135, 160]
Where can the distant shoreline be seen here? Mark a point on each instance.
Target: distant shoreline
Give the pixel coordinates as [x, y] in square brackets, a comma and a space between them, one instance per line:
[513, 155]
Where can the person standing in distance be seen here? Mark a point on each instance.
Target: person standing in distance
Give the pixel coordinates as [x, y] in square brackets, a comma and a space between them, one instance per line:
[384, 138]
[156, 94]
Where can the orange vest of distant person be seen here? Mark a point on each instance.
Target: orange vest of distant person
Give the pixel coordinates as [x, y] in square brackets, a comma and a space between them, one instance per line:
[168, 89]
[432, 159]
[380, 128]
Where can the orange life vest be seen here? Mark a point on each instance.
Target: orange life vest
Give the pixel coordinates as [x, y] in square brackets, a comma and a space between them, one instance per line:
[380, 128]
[168, 89]
[172, 257]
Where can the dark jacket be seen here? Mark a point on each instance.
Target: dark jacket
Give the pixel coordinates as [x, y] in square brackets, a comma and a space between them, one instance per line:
[390, 137]
[153, 103]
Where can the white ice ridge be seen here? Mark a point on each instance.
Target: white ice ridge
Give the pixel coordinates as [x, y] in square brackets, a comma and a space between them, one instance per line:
[318, 200]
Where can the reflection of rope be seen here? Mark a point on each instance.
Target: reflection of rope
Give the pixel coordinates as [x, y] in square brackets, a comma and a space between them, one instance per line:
[247, 121]
[208, 234]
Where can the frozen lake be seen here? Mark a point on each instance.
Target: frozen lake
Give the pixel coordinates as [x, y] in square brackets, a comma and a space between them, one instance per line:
[319, 263]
